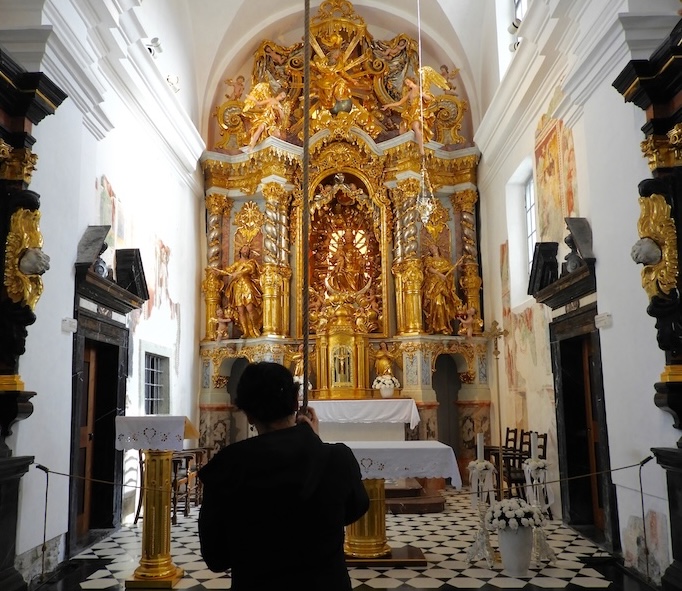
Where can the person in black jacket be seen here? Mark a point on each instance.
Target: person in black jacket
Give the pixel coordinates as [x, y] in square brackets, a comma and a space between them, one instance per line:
[275, 506]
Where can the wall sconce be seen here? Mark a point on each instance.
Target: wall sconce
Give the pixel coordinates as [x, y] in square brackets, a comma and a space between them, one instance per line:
[154, 47]
[513, 28]
[173, 82]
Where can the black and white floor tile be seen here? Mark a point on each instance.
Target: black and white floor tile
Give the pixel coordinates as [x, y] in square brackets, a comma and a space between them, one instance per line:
[444, 539]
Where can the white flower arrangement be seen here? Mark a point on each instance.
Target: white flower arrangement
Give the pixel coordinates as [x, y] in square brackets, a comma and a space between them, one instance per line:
[512, 514]
[385, 381]
[534, 464]
[480, 465]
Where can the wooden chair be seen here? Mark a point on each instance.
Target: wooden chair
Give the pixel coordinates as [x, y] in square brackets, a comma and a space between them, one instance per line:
[183, 482]
[514, 475]
[140, 498]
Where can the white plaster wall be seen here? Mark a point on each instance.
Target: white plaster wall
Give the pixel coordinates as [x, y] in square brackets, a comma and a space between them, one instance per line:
[607, 133]
[156, 177]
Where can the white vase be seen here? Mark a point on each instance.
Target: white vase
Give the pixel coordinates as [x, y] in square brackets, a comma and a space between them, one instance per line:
[386, 391]
[516, 547]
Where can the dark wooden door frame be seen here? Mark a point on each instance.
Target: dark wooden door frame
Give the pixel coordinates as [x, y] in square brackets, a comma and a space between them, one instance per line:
[580, 322]
[97, 328]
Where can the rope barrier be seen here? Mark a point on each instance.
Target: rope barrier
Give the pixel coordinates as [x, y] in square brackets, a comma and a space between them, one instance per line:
[454, 493]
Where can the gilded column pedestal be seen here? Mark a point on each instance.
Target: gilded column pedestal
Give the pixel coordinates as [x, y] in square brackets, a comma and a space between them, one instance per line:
[156, 570]
[366, 538]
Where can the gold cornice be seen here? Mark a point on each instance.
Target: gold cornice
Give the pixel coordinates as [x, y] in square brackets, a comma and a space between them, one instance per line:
[246, 175]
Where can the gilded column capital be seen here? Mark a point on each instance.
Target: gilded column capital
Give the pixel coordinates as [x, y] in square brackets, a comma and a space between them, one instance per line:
[17, 164]
[410, 186]
[217, 203]
[464, 200]
[275, 192]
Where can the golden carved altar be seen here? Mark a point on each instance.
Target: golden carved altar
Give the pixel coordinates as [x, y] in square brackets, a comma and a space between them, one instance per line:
[393, 255]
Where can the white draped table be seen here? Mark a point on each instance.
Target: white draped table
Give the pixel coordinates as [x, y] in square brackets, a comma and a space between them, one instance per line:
[377, 419]
[389, 460]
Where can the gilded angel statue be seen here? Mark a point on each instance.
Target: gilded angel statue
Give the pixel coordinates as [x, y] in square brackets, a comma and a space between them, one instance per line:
[267, 112]
[416, 101]
[385, 358]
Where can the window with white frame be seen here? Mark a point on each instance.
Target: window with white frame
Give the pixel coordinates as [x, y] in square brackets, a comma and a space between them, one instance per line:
[531, 220]
[156, 384]
[521, 214]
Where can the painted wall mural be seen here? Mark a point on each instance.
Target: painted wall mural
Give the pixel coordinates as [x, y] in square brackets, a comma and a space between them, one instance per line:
[555, 178]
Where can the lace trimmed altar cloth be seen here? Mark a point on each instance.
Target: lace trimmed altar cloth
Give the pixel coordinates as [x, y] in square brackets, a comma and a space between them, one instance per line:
[162, 432]
[390, 410]
[392, 460]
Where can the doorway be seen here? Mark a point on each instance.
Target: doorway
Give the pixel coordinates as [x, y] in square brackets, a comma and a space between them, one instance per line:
[447, 384]
[587, 493]
[100, 367]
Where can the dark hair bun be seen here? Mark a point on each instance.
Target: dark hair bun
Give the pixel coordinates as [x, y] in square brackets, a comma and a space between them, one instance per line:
[267, 391]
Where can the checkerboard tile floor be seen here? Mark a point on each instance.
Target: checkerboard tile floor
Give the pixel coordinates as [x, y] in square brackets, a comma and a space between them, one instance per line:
[443, 537]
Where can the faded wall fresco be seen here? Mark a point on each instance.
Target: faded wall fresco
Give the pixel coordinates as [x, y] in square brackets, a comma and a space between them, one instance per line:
[555, 178]
[528, 400]
[636, 546]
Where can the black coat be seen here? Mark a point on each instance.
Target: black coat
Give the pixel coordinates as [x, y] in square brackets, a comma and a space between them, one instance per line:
[274, 511]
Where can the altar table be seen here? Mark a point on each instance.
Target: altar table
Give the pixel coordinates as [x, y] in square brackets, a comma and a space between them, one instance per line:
[387, 460]
[378, 419]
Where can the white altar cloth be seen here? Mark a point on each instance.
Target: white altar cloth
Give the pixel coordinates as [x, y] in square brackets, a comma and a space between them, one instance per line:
[380, 410]
[162, 432]
[391, 460]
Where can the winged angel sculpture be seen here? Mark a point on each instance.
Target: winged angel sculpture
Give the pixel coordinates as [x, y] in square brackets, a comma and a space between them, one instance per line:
[268, 113]
[417, 104]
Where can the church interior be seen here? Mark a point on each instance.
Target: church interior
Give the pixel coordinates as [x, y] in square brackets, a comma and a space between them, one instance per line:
[409, 204]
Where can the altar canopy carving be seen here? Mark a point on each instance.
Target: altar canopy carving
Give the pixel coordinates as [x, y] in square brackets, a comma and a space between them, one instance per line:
[392, 246]
[353, 80]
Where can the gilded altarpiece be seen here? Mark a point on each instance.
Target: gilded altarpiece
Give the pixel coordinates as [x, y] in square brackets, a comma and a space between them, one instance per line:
[393, 266]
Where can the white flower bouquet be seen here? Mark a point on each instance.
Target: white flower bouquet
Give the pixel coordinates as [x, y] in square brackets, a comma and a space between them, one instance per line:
[480, 465]
[385, 381]
[534, 464]
[512, 514]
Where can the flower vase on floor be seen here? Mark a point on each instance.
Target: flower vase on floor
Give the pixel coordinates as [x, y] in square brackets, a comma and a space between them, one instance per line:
[516, 548]
[514, 520]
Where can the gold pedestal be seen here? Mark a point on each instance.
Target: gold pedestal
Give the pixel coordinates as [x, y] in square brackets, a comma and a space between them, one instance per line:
[156, 568]
[366, 538]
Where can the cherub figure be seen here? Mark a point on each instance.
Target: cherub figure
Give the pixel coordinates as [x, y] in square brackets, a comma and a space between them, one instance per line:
[467, 321]
[266, 112]
[450, 77]
[238, 86]
[222, 324]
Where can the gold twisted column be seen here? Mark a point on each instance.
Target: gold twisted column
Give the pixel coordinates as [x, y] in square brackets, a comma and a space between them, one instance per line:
[366, 538]
[464, 205]
[275, 249]
[156, 568]
[218, 206]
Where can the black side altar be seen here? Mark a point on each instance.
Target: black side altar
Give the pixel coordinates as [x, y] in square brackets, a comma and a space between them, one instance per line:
[25, 99]
[655, 86]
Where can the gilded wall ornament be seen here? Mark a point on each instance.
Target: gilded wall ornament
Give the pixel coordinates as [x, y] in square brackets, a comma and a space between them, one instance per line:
[659, 275]
[249, 220]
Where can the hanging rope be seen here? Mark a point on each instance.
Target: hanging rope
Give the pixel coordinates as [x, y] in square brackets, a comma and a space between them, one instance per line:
[421, 90]
[305, 221]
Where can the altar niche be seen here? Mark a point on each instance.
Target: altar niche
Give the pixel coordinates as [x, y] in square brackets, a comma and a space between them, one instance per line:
[346, 283]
